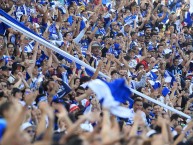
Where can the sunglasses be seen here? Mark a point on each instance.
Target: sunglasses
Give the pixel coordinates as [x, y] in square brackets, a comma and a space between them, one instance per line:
[30, 131]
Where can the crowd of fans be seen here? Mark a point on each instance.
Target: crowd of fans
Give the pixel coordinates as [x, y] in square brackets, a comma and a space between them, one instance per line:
[44, 98]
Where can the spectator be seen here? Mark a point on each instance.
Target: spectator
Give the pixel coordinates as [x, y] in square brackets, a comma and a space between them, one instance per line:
[45, 97]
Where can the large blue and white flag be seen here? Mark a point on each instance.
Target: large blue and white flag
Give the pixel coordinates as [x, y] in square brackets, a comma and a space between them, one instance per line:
[111, 95]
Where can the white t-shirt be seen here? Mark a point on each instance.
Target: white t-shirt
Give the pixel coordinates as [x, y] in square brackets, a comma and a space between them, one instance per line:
[131, 118]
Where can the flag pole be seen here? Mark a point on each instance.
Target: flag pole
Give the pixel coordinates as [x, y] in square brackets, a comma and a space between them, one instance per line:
[49, 45]
[61, 52]
[161, 104]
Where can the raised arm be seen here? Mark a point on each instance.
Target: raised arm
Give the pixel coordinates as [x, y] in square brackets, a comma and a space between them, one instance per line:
[81, 34]
[182, 135]
[31, 67]
[97, 70]
[41, 127]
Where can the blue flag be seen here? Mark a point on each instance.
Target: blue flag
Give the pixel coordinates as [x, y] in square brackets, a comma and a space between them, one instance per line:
[155, 84]
[153, 76]
[165, 91]
[119, 90]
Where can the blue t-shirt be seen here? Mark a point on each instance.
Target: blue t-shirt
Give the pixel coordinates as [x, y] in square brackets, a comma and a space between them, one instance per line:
[188, 19]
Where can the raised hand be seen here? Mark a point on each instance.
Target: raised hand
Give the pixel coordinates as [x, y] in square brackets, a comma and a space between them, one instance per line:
[62, 112]
[30, 98]
[100, 63]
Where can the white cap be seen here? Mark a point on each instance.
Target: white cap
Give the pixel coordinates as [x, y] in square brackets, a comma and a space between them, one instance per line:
[26, 125]
[73, 107]
[151, 132]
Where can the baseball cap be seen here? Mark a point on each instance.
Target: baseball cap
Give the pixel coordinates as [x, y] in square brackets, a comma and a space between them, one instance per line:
[147, 26]
[26, 125]
[17, 65]
[73, 107]
[96, 45]
[5, 68]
